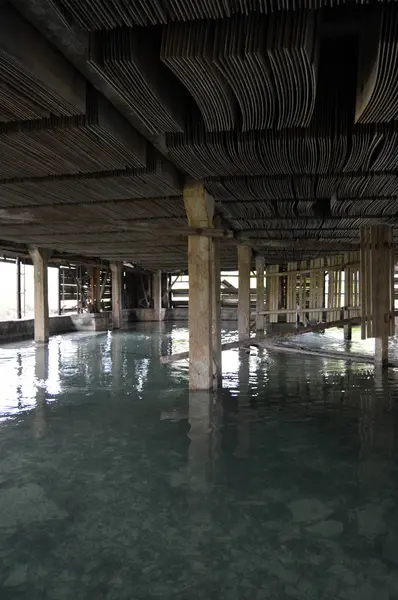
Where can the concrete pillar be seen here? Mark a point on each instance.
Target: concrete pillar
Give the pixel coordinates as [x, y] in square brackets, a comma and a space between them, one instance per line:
[347, 301]
[376, 287]
[157, 294]
[244, 263]
[97, 276]
[39, 258]
[260, 319]
[200, 313]
[203, 330]
[116, 269]
[216, 313]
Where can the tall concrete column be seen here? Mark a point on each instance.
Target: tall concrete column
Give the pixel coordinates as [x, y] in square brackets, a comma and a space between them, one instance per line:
[39, 258]
[157, 294]
[260, 320]
[216, 313]
[347, 301]
[116, 269]
[244, 263]
[200, 315]
[203, 329]
[377, 288]
[97, 289]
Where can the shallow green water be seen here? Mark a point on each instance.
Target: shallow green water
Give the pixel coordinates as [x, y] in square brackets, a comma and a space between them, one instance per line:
[115, 483]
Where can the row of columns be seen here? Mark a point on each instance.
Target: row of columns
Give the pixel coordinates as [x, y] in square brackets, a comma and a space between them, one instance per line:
[40, 258]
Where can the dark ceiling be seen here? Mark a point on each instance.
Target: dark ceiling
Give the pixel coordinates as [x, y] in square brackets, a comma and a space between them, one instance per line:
[287, 110]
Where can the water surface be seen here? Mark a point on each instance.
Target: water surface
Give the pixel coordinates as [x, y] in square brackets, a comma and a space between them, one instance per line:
[117, 484]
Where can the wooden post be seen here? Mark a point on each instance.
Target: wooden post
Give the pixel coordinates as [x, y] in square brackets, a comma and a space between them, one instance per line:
[244, 263]
[157, 294]
[203, 328]
[39, 258]
[116, 269]
[260, 264]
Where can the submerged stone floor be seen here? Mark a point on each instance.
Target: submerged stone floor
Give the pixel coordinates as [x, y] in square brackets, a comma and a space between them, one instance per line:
[117, 484]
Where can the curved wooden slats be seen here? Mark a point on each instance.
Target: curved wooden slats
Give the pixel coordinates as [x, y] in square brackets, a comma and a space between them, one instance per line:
[377, 87]
[188, 51]
[240, 54]
[309, 187]
[292, 47]
[108, 14]
[126, 59]
[320, 149]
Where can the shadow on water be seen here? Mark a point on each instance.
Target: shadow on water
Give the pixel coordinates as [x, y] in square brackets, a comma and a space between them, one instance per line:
[117, 483]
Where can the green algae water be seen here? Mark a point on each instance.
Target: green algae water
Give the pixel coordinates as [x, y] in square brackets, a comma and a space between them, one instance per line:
[117, 484]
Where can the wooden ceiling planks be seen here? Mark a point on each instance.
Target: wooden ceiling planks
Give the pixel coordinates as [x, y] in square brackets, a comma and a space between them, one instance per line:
[187, 50]
[377, 87]
[35, 83]
[127, 60]
[93, 15]
[267, 67]
[274, 137]
[158, 178]
[99, 140]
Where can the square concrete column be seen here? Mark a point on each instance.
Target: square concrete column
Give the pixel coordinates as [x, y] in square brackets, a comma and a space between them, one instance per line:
[116, 269]
[41, 326]
[260, 320]
[200, 314]
[97, 289]
[377, 287]
[157, 294]
[216, 313]
[204, 275]
[244, 263]
[347, 301]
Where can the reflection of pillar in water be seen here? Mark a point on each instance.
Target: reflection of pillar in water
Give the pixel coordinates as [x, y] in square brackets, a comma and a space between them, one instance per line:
[243, 423]
[376, 430]
[200, 410]
[117, 359]
[203, 417]
[41, 376]
[19, 379]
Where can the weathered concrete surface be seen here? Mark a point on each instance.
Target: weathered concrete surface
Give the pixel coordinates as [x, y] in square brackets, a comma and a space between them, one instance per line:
[41, 322]
[200, 313]
[157, 296]
[216, 313]
[244, 263]
[181, 314]
[22, 329]
[143, 314]
[116, 269]
[203, 327]
[260, 319]
[92, 321]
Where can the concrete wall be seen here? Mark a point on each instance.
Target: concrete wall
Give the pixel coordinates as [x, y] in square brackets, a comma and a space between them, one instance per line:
[181, 314]
[23, 329]
[92, 321]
